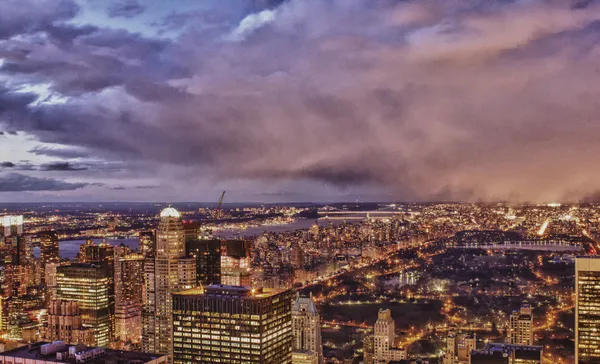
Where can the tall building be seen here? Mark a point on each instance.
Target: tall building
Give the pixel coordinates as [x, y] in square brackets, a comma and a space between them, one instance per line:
[383, 339]
[235, 263]
[129, 283]
[521, 326]
[170, 271]
[306, 327]
[147, 243]
[66, 324]
[459, 346]
[226, 324]
[208, 259]
[587, 310]
[12, 225]
[49, 251]
[88, 285]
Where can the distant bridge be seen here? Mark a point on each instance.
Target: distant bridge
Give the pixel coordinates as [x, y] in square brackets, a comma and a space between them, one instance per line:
[549, 245]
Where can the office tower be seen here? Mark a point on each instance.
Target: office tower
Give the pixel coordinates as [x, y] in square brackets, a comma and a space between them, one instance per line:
[521, 326]
[226, 324]
[383, 339]
[12, 225]
[129, 283]
[465, 343]
[89, 286]
[49, 251]
[169, 272]
[587, 310]
[147, 243]
[306, 327]
[451, 356]
[305, 357]
[50, 279]
[66, 324]
[208, 259]
[296, 255]
[235, 263]
[498, 353]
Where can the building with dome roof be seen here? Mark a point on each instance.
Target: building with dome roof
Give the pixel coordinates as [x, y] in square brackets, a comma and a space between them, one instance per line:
[167, 272]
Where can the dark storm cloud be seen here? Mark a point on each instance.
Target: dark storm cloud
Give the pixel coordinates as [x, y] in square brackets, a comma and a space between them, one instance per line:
[19, 17]
[61, 166]
[14, 182]
[7, 165]
[65, 153]
[145, 187]
[125, 8]
[428, 99]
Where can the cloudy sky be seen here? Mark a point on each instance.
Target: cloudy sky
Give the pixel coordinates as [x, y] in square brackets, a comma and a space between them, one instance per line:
[299, 100]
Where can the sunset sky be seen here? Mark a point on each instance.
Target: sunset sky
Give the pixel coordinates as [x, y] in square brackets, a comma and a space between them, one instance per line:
[299, 100]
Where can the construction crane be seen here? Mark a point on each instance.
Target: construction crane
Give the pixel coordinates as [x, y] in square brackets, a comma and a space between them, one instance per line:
[219, 210]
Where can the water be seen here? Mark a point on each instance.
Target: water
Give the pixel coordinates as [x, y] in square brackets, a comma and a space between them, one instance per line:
[255, 231]
[70, 248]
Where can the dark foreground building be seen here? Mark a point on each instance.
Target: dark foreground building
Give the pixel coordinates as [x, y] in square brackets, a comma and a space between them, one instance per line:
[229, 324]
[497, 353]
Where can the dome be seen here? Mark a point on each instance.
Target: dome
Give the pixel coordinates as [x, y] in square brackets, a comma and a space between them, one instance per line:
[169, 212]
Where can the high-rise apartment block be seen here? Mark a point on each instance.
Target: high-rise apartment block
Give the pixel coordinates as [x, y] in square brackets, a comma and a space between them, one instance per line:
[226, 324]
[208, 259]
[587, 310]
[235, 263]
[170, 271]
[306, 328]
[12, 225]
[521, 326]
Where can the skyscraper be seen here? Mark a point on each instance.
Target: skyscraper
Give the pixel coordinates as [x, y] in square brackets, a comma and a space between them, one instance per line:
[236, 325]
[168, 272]
[12, 225]
[383, 339]
[587, 310]
[88, 285]
[49, 251]
[208, 259]
[129, 283]
[306, 327]
[521, 326]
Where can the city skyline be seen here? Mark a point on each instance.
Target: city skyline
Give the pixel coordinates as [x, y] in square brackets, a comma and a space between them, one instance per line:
[281, 101]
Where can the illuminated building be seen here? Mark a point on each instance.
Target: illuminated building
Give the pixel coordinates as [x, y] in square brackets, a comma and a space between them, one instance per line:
[60, 352]
[12, 225]
[147, 243]
[103, 253]
[521, 326]
[89, 286]
[235, 263]
[459, 346]
[305, 357]
[129, 283]
[226, 324]
[383, 339]
[587, 310]
[170, 271]
[65, 323]
[208, 259]
[296, 255]
[306, 327]
[49, 251]
[497, 353]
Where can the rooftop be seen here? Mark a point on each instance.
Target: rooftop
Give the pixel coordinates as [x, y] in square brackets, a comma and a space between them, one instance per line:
[235, 291]
[111, 356]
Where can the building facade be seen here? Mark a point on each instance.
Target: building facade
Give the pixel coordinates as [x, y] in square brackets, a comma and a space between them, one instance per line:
[89, 286]
[129, 284]
[306, 327]
[168, 272]
[521, 326]
[226, 324]
[587, 310]
[66, 324]
[384, 335]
